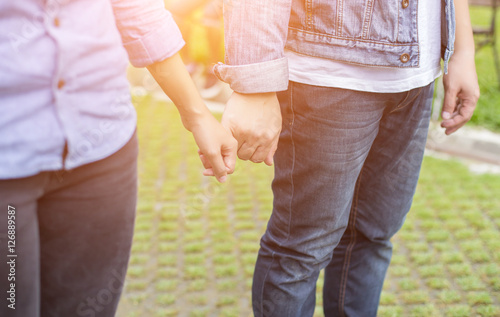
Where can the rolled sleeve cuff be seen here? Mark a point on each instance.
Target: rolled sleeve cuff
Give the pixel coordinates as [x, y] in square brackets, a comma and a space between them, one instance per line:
[156, 46]
[254, 78]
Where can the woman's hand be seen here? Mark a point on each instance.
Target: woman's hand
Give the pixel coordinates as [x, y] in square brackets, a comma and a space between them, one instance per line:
[217, 147]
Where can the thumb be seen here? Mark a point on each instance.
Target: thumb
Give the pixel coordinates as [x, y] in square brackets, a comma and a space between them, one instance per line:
[229, 155]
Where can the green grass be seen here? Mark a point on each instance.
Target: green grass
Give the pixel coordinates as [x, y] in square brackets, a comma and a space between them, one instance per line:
[446, 258]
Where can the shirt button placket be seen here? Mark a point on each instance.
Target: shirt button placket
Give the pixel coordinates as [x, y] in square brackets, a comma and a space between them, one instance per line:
[57, 23]
[405, 3]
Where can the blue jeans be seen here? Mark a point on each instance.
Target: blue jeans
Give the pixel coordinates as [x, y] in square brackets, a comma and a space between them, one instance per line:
[346, 170]
[73, 238]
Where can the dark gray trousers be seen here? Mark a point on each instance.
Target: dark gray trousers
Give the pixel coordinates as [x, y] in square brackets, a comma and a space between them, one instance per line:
[73, 235]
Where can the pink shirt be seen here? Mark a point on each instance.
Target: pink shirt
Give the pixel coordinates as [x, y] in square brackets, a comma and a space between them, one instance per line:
[63, 77]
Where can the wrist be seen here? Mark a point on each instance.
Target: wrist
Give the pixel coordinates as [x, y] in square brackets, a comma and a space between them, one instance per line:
[195, 117]
[466, 52]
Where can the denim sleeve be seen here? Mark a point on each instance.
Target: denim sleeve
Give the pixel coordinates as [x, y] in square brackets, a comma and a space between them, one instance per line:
[448, 26]
[148, 31]
[255, 37]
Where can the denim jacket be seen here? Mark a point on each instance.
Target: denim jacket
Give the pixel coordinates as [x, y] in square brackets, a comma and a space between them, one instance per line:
[372, 33]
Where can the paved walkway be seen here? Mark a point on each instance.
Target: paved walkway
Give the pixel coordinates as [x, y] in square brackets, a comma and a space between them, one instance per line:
[474, 145]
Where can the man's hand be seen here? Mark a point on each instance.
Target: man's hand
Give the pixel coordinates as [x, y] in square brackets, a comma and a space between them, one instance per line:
[461, 92]
[460, 84]
[217, 147]
[255, 122]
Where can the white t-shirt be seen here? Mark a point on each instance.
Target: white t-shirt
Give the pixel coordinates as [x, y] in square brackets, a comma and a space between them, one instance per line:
[329, 73]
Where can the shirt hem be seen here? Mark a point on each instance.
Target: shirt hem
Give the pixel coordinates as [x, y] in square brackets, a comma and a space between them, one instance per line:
[390, 86]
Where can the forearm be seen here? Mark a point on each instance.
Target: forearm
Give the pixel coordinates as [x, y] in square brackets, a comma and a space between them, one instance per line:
[217, 148]
[464, 40]
[174, 79]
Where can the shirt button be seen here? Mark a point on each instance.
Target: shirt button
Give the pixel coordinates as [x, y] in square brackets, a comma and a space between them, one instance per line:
[405, 3]
[60, 84]
[57, 23]
[404, 57]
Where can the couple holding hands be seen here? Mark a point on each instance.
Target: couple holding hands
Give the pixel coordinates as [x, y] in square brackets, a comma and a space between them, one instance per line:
[336, 94]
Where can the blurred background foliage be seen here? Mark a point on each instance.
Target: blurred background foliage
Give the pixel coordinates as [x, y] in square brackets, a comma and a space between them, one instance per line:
[487, 113]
